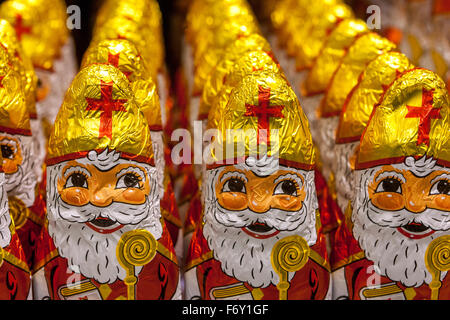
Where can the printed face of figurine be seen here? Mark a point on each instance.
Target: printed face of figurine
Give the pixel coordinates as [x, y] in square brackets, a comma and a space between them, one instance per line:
[398, 211]
[95, 200]
[247, 210]
[18, 164]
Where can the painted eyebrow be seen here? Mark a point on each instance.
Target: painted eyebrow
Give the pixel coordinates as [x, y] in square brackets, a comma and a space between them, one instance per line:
[231, 174]
[387, 174]
[294, 176]
[440, 177]
[131, 169]
[76, 168]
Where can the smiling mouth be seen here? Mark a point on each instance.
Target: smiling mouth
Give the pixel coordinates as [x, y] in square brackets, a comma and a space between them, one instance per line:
[260, 230]
[415, 230]
[104, 225]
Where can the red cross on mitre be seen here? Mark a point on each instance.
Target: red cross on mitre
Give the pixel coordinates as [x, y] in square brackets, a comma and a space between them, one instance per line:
[425, 113]
[263, 111]
[20, 27]
[106, 105]
[1, 81]
[113, 59]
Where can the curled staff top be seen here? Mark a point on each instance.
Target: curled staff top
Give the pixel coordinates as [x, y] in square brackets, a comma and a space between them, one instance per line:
[40, 27]
[261, 103]
[100, 112]
[411, 119]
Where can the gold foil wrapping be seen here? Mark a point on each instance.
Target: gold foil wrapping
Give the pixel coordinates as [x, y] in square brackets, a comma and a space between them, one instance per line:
[14, 116]
[40, 26]
[210, 52]
[21, 64]
[247, 64]
[217, 76]
[358, 107]
[137, 21]
[308, 48]
[412, 119]
[124, 55]
[264, 100]
[364, 49]
[332, 51]
[100, 112]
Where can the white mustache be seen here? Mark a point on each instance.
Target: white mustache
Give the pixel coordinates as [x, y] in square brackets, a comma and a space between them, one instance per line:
[278, 219]
[117, 212]
[432, 218]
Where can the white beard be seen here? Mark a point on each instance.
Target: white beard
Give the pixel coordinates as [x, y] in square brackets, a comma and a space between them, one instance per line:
[22, 183]
[345, 188]
[91, 253]
[5, 218]
[242, 256]
[39, 148]
[326, 129]
[397, 257]
[158, 155]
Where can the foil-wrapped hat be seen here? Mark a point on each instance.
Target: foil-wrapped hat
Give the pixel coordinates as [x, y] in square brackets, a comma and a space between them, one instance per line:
[365, 48]
[333, 49]
[358, 106]
[231, 54]
[100, 112]
[21, 64]
[209, 53]
[308, 44]
[40, 26]
[411, 119]
[264, 101]
[14, 116]
[124, 55]
[250, 62]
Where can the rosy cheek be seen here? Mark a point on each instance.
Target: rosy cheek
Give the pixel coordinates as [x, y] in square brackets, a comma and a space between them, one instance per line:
[233, 200]
[134, 196]
[389, 201]
[9, 166]
[442, 202]
[288, 203]
[75, 196]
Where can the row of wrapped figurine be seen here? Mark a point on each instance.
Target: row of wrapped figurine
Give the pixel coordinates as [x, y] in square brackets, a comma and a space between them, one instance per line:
[357, 204]
[113, 217]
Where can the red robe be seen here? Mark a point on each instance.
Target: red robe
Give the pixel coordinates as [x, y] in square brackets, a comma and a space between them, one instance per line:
[158, 280]
[310, 283]
[15, 280]
[359, 274]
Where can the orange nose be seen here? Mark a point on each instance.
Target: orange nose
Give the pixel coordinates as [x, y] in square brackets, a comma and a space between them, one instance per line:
[415, 202]
[101, 198]
[259, 200]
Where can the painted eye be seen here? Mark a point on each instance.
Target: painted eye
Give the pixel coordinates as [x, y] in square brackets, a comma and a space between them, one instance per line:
[234, 185]
[7, 151]
[128, 180]
[441, 187]
[286, 187]
[77, 180]
[389, 185]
